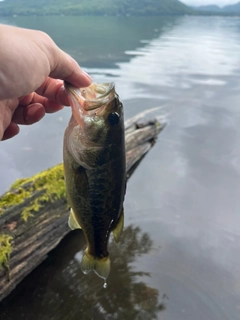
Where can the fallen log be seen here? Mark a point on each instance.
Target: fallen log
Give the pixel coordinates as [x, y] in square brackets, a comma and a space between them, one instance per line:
[34, 212]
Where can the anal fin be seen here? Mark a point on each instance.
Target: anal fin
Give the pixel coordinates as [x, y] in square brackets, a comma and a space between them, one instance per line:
[72, 222]
[117, 231]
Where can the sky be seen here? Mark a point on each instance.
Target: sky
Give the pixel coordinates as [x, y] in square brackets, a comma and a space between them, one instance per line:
[220, 3]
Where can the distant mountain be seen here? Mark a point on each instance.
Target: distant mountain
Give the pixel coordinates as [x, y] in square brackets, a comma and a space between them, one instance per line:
[93, 7]
[233, 8]
[211, 8]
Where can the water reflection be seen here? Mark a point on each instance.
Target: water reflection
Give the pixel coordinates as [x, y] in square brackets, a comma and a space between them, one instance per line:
[191, 52]
[62, 291]
[185, 273]
[100, 42]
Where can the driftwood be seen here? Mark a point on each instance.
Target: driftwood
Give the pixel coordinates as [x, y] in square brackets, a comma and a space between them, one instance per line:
[26, 239]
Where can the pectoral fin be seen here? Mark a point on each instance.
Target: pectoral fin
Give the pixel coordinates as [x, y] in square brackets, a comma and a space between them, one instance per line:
[72, 222]
[117, 231]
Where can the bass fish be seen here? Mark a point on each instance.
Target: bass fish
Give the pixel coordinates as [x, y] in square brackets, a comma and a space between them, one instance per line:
[95, 170]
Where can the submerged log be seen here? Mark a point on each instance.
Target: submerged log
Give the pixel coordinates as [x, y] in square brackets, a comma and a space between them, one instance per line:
[34, 212]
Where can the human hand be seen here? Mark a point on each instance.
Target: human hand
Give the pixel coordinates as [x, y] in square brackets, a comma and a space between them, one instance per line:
[31, 65]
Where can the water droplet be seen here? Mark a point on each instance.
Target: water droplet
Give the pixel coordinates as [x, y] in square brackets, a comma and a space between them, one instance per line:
[105, 285]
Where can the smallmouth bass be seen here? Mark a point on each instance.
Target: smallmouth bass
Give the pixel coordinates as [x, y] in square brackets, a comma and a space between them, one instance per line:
[95, 170]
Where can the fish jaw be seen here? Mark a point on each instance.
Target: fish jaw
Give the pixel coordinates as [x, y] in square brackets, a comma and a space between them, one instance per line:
[91, 101]
[90, 98]
[97, 95]
[77, 102]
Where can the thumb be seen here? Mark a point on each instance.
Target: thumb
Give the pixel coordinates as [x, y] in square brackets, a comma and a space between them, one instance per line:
[66, 68]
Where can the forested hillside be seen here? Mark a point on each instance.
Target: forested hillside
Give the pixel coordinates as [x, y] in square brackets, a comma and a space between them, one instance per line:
[93, 7]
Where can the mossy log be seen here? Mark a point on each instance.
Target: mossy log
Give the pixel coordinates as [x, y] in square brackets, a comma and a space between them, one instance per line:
[34, 212]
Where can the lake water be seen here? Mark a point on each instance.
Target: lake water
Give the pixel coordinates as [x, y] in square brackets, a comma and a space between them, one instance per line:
[179, 256]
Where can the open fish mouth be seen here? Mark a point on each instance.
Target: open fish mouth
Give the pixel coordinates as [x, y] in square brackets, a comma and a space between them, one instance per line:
[92, 97]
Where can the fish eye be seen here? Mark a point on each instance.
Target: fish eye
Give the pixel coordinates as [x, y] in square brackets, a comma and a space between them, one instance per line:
[113, 118]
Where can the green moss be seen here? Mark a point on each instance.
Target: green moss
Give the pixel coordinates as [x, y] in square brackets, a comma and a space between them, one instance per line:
[28, 211]
[5, 251]
[18, 182]
[50, 182]
[14, 197]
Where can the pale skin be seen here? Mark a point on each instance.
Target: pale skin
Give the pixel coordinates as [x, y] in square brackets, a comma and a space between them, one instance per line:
[32, 70]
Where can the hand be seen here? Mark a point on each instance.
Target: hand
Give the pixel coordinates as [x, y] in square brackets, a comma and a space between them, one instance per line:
[31, 65]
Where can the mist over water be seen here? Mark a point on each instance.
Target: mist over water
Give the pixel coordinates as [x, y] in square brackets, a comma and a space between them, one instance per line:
[179, 256]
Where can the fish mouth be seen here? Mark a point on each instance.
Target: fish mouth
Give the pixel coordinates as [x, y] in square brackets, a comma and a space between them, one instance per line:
[92, 97]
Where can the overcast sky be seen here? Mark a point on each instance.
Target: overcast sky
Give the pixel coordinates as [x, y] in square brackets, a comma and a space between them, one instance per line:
[206, 2]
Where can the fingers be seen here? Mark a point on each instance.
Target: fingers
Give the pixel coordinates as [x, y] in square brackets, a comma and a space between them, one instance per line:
[31, 110]
[28, 114]
[35, 100]
[11, 131]
[53, 90]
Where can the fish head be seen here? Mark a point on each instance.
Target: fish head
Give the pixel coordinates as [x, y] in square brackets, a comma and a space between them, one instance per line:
[97, 116]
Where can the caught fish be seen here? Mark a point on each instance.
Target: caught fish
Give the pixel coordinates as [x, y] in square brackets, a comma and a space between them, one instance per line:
[95, 170]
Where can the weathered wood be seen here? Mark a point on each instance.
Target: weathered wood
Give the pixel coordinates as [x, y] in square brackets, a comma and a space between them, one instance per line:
[31, 240]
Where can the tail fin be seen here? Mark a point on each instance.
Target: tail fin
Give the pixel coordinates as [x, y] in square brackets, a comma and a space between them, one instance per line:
[100, 266]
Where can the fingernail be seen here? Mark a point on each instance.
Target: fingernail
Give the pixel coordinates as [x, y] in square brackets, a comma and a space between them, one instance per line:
[63, 97]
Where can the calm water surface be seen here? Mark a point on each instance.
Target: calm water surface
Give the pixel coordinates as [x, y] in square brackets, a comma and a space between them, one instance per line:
[179, 256]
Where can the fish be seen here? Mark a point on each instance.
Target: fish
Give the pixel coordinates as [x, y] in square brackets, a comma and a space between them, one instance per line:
[95, 170]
